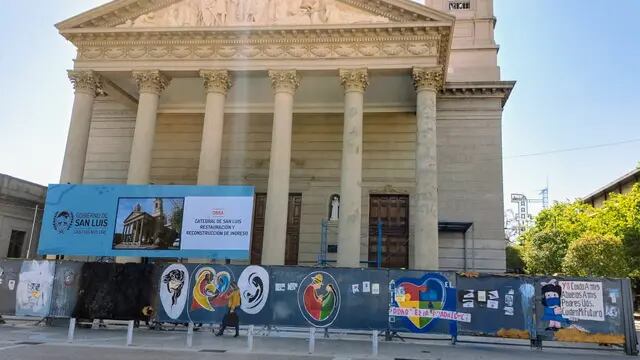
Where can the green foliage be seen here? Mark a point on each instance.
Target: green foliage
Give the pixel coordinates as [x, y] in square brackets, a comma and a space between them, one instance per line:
[176, 219]
[596, 255]
[515, 264]
[547, 243]
[620, 217]
[544, 251]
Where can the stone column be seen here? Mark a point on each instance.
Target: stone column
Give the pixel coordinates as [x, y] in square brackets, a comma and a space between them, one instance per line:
[87, 85]
[150, 85]
[355, 82]
[285, 83]
[216, 84]
[425, 248]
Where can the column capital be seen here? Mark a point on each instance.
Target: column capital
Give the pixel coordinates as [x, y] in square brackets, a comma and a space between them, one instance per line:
[354, 79]
[428, 79]
[87, 82]
[284, 80]
[216, 81]
[151, 81]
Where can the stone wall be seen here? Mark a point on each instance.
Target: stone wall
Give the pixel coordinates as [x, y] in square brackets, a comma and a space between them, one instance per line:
[18, 200]
[469, 152]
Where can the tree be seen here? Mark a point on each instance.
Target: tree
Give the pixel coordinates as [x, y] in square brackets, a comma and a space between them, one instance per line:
[515, 264]
[544, 252]
[620, 216]
[596, 255]
[176, 219]
[545, 244]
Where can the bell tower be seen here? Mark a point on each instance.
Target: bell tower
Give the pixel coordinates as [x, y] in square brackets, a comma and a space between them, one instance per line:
[474, 53]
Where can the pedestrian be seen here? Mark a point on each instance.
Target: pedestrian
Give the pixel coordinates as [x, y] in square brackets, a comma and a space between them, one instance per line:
[231, 317]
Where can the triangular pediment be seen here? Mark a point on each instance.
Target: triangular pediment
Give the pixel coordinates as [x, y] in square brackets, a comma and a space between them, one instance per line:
[244, 13]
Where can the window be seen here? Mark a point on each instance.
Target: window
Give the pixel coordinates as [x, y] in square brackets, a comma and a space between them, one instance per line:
[460, 5]
[15, 244]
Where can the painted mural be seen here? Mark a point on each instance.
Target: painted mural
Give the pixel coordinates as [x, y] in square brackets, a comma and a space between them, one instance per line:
[592, 310]
[33, 294]
[211, 288]
[174, 290]
[575, 310]
[319, 298]
[419, 304]
[254, 289]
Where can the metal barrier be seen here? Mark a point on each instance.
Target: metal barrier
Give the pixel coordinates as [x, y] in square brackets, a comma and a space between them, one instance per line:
[540, 309]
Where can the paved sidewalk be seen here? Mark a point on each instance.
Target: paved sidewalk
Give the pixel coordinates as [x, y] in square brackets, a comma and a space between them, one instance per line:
[24, 341]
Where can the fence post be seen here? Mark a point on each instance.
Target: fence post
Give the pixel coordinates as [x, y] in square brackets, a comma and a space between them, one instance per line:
[312, 340]
[374, 342]
[130, 333]
[379, 245]
[190, 334]
[630, 335]
[72, 330]
[250, 338]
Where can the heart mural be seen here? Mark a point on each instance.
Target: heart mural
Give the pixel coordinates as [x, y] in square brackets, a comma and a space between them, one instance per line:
[211, 289]
[420, 302]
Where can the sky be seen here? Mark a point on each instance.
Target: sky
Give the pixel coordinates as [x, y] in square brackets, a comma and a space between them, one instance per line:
[576, 63]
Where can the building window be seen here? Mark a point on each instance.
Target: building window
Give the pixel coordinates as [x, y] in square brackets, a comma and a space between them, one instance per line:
[15, 244]
[460, 5]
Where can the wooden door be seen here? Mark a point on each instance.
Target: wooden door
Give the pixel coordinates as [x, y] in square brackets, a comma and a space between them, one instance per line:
[293, 228]
[393, 211]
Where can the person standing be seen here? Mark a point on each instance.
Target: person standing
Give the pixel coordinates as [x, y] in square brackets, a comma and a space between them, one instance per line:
[231, 317]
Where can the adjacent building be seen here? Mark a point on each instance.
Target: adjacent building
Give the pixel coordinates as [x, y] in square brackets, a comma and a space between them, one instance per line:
[21, 206]
[622, 185]
[386, 111]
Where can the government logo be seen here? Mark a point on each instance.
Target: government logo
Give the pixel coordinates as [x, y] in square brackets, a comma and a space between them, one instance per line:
[62, 221]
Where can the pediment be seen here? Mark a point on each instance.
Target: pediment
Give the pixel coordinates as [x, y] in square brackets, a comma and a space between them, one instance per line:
[247, 13]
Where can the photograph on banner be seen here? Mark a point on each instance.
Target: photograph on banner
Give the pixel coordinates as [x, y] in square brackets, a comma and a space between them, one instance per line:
[148, 223]
[170, 221]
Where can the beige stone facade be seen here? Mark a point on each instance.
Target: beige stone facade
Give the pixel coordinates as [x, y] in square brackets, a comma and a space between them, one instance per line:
[351, 97]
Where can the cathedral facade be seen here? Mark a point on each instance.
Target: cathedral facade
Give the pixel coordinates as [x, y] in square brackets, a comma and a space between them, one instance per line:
[360, 123]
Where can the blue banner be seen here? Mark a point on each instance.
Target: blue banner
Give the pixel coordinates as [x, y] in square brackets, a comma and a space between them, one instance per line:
[148, 221]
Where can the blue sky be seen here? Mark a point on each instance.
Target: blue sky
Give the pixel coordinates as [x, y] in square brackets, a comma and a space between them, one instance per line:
[576, 63]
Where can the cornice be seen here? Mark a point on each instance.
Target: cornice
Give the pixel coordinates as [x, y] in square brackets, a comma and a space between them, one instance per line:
[482, 89]
[268, 43]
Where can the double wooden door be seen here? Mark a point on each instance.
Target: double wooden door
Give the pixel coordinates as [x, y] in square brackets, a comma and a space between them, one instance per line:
[393, 212]
[293, 228]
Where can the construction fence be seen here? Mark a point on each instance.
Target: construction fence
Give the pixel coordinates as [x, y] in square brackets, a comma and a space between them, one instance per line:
[567, 309]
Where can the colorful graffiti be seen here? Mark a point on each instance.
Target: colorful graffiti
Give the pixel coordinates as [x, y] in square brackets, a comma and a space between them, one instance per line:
[319, 298]
[419, 302]
[174, 283]
[211, 289]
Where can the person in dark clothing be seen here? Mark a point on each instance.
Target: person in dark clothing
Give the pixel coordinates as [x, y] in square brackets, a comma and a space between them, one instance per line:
[231, 317]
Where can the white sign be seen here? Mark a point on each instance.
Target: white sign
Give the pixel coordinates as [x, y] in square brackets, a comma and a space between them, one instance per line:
[582, 300]
[430, 313]
[217, 223]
